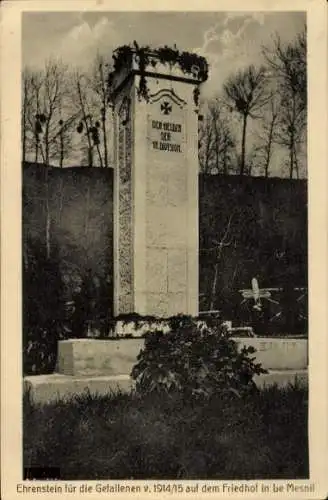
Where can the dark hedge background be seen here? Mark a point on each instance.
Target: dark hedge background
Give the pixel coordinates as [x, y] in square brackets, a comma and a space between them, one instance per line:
[249, 227]
[262, 223]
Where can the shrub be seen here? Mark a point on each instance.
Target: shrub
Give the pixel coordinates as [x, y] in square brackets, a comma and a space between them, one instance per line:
[42, 310]
[195, 358]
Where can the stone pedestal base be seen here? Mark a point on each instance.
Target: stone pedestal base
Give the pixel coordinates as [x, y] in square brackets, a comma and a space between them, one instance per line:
[278, 354]
[50, 388]
[103, 366]
[95, 358]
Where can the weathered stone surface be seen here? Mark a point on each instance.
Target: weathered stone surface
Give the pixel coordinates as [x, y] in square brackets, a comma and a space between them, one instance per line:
[176, 227]
[279, 354]
[157, 304]
[156, 227]
[102, 366]
[177, 192]
[89, 357]
[177, 270]
[177, 303]
[115, 357]
[51, 388]
[157, 184]
[158, 197]
[156, 269]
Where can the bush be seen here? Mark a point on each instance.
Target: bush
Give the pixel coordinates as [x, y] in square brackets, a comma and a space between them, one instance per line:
[42, 310]
[195, 358]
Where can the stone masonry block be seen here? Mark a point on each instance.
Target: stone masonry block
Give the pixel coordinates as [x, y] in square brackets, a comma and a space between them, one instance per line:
[156, 270]
[177, 270]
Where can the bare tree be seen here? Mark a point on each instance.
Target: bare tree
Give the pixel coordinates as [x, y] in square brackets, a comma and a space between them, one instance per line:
[31, 114]
[45, 101]
[205, 144]
[100, 101]
[49, 92]
[54, 93]
[223, 242]
[87, 125]
[267, 135]
[287, 62]
[215, 140]
[62, 141]
[247, 92]
[83, 106]
[26, 109]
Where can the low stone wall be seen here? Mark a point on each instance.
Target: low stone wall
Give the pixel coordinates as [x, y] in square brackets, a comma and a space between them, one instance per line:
[278, 354]
[93, 357]
[102, 366]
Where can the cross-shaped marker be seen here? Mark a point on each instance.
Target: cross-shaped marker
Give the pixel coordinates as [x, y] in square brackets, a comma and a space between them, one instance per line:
[166, 108]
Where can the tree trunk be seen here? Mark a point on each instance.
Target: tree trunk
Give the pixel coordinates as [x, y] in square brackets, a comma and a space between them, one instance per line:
[61, 159]
[105, 141]
[36, 134]
[61, 196]
[47, 210]
[214, 285]
[269, 147]
[296, 163]
[85, 120]
[225, 162]
[99, 154]
[90, 156]
[24, 127]
[36, 156]
[292, 141]
[243, 146]
[217, 152]
[46, 140]
[267, 162]
[103, 113]
[207, 154]
[86, 224]
[291, 158]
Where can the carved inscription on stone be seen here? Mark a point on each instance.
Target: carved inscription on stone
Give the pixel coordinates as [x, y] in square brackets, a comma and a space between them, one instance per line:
[166, 134]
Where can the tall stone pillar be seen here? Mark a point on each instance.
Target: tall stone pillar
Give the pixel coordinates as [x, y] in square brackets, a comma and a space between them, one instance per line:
[155, 186]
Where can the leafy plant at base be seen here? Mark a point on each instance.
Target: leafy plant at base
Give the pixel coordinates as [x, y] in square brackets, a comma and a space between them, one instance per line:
[194, 358]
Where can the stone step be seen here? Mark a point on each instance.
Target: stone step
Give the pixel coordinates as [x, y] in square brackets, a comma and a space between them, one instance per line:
[95, 357]
[49, 388]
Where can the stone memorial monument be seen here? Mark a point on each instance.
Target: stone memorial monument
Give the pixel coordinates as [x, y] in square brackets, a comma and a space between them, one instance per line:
[155, 105]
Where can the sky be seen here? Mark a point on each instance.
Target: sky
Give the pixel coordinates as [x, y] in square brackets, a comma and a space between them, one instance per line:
[229, 40]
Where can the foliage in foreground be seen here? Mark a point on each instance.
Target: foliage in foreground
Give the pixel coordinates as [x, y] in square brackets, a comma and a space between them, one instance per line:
[125, 436]
[195, 358]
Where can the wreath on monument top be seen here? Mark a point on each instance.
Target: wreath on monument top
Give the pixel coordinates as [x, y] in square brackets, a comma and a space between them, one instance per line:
[188, 62]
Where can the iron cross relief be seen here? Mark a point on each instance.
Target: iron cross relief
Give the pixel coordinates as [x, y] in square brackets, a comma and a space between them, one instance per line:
[166, 108]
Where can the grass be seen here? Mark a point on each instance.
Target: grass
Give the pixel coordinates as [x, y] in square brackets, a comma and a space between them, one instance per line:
[122, 436]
